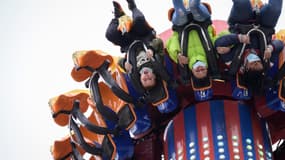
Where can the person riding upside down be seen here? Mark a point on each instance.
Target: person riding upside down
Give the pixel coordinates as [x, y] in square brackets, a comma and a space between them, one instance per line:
[255, 12]
[123, 30]
[250, 25]
[148, 62]
[148, 74]
[196, 56]
[251, 60]
[189, 51]
[144, 65]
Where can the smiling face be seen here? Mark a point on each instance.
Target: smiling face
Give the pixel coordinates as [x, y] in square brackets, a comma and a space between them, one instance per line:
[200, 69]
[253, 62]
[254, 66]
[200, 72]
[147, 78]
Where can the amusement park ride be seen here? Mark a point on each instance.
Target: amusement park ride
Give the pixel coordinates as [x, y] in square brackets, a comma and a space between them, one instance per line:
[101, 118]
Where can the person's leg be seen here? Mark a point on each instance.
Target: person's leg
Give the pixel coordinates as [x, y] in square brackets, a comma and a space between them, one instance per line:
[131, 4]
[199, 11]
[118, 11]
[139, 21]
[140, 25]
[270, 13]
[241, 12]
[179, 17]
[113, 34]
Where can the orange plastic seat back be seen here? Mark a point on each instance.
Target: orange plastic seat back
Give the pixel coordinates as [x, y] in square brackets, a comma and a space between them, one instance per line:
[116, 102]
[109, 98]
[92, 138]
[62, 149]
[92, 58]
[64, 102]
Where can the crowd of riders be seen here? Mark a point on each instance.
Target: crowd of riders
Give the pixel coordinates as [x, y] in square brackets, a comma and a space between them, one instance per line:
[245, 54]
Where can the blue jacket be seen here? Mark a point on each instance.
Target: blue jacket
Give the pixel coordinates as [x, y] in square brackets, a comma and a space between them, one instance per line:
[231, 40]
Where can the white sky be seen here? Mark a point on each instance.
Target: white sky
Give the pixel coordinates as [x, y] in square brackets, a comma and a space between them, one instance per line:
[37, 39]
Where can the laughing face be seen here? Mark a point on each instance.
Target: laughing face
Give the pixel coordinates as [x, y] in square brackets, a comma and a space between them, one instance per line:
[147, 78]
[200, 69]
[200, 72]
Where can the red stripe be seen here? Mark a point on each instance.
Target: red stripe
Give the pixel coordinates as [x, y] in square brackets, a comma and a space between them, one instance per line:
[257, 135]
[179, 136]
[262, 108]
[233, 127]
[165, 149]
[204, 129]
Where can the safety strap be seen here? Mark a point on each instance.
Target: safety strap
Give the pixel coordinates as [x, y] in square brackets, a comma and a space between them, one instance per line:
[209, 50]
[184, 71]
[80, 139]
[96, 95]
[207, 45]
[136, 46]
[118, 91]
[240, 48]
[159, 93]
[75, 153]
[107, 150]
[104, 73]
[124, 118]
[211, 55]
[86, 123]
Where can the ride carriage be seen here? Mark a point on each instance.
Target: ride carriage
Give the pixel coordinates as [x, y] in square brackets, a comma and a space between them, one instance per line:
[101, 118]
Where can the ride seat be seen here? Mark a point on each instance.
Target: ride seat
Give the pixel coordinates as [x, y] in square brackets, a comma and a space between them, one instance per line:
[61, 106]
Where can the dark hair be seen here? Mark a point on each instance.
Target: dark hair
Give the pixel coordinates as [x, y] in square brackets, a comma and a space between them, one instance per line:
[254, 81]
[200, 82]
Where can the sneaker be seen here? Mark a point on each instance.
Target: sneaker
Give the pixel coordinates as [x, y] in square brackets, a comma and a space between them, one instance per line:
[118, 11]
[131, 4]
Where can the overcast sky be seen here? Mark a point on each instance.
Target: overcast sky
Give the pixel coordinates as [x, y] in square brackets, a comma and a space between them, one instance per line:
[37, 39]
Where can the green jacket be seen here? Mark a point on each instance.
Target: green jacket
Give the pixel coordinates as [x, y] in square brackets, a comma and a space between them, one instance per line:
[195, 48]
